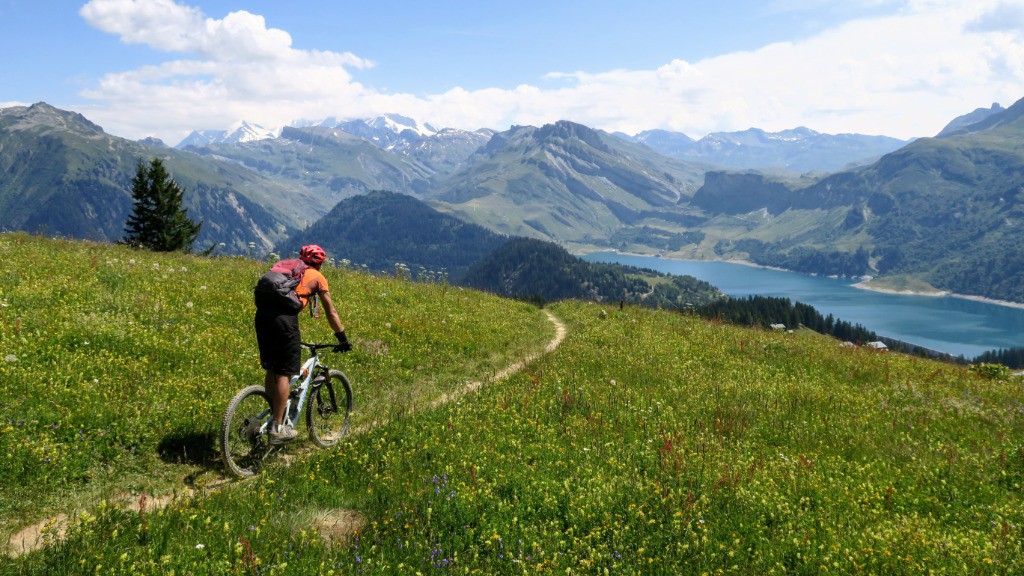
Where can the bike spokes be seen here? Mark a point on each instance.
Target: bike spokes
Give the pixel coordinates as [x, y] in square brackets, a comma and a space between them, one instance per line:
[244, 440]
[327, 420]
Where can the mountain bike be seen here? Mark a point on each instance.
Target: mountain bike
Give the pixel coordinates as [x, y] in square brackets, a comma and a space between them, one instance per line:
[244, 435]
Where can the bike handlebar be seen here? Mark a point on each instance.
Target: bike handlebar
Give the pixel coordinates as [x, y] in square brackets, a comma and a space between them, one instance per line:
[317, 346]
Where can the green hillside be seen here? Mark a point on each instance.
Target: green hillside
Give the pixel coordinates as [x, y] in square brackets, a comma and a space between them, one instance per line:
[382, 229]
[567, 182]
[539, 270]
[326, 164]
[647, 443]
[63, 175]
[941, 211]
[116, 365]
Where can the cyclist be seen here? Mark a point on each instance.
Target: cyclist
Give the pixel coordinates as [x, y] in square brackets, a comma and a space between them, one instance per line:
[277, 334]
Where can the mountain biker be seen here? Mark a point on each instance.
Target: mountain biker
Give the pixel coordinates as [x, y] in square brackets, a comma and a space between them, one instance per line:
[277, 334]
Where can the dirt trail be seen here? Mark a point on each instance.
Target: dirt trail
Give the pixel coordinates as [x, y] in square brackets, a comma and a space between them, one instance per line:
[335, 525]
[560, 332]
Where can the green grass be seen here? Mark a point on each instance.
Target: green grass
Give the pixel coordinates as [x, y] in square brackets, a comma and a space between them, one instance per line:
[648, 443]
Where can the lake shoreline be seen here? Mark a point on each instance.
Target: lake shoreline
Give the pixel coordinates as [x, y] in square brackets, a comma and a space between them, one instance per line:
[862, 285]
[938, 294]
[958, 325]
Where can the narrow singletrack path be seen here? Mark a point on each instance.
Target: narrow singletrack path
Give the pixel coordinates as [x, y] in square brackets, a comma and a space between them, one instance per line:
[336, 525]
[560, 332]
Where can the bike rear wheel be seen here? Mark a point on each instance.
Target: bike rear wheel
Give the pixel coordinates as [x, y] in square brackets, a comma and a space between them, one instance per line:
[329, 409]
[243, 435]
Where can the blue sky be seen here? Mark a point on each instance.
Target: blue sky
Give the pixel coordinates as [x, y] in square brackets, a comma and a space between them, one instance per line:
[162, 68]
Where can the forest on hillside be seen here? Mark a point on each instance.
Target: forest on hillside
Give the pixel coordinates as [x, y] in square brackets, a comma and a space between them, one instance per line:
[382, 229]
[767, 310]
[802, 258]
[542, 271]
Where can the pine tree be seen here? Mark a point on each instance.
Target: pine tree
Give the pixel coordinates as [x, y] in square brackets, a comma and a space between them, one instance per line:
[158, 221]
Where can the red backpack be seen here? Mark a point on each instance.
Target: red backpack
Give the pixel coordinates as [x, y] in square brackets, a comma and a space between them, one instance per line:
[276, 288]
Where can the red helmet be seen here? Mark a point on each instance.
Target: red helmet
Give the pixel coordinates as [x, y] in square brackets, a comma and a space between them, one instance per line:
[312, 255]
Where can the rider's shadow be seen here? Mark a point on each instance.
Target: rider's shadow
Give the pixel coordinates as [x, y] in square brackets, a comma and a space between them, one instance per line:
[190, 448]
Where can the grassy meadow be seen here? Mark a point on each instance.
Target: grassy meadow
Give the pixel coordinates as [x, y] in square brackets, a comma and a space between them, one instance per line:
[647, 443]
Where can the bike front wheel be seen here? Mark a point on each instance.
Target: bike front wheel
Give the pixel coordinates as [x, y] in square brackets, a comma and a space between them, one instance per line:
[329, 409]
[243, 435]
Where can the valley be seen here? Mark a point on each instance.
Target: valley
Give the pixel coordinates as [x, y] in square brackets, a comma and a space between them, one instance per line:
[941, 212]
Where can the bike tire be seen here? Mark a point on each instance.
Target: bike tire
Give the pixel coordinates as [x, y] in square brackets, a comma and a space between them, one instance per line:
[242, 445]
[329, 409]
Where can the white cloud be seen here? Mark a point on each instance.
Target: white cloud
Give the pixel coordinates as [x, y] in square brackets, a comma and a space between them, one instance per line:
[172, 27]
[1005, 16]
[161, 24]
[902, 75]
[241, 69]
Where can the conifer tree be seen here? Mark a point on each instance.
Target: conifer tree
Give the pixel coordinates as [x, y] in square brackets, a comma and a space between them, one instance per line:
[158, 221]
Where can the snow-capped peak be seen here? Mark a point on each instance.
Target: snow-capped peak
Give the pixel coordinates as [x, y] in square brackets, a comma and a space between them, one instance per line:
[389, 123]
[398, 124]
[243, 131]
[240, 131]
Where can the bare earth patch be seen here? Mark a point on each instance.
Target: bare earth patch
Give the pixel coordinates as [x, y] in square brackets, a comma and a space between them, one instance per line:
[338, 526]
[34, 537]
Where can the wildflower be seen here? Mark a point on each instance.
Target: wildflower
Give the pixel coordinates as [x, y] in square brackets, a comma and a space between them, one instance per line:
[188, 304]
[200, 546]
[10, 358]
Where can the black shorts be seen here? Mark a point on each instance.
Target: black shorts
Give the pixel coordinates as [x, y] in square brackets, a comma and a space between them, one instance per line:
[278, 338]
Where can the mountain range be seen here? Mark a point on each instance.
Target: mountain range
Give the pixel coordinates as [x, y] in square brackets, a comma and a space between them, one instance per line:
[567, 182]
[240, 132]
[945, 210]
[962, 122]
[60, 174]
[940, 210]
[798, 150]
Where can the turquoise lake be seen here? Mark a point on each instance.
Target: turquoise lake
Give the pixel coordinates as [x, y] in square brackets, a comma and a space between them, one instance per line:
[944, 323]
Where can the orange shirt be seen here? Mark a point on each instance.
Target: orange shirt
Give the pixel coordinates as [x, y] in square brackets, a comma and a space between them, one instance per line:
[313, 282]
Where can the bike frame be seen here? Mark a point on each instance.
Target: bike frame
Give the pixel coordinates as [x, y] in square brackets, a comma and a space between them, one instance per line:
[293, 408]
[299, 387]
